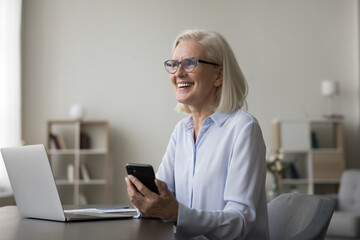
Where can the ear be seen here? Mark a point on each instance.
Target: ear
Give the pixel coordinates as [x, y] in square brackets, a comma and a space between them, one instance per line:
[219, 78]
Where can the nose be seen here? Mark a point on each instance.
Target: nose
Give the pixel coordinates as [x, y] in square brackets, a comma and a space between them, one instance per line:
[180, 71]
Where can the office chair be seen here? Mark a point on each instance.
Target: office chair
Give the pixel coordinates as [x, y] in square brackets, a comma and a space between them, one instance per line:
[295, 216]
[345, 222]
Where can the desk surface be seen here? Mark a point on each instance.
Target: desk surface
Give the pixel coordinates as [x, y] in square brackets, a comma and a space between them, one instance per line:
[13, 226]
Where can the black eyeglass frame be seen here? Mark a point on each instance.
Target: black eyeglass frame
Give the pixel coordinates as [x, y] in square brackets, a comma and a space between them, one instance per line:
[197, 61]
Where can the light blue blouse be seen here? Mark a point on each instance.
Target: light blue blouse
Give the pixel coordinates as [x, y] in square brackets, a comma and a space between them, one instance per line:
[219, 180]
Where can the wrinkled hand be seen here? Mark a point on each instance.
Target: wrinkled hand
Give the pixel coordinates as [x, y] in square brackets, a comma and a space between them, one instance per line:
[150, 204]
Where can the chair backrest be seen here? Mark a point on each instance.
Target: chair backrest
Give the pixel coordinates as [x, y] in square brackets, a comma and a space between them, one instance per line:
[349, 192]
[295, 216]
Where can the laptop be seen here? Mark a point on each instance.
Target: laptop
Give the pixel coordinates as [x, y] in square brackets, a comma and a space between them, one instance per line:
[35, 190]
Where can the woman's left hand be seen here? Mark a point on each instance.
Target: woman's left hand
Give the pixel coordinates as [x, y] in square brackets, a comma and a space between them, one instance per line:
[150, 204]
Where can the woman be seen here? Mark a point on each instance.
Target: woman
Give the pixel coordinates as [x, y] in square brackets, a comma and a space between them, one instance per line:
[212, 177]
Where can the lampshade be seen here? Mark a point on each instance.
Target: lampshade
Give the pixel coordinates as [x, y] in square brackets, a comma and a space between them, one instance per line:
[329, 88]
[77, 111]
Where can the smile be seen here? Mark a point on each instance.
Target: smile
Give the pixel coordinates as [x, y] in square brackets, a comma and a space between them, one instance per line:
[182, 85]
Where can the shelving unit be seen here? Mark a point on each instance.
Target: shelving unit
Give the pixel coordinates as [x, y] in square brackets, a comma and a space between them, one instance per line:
[79, 156]
[315, 148]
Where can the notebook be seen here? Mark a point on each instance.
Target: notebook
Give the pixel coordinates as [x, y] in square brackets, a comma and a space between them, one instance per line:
[35, 190]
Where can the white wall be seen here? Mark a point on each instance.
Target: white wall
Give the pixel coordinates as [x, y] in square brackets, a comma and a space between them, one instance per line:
[108, 55]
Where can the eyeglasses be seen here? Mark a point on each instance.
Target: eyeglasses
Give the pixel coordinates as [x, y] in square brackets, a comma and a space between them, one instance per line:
[188, 64]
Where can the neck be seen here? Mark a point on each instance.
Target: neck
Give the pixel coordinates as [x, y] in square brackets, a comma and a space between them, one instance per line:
[198, 118]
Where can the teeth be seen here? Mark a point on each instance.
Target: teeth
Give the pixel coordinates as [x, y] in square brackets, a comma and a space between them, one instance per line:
[180, 85]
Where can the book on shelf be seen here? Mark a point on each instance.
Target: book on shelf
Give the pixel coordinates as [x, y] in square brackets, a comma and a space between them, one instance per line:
[85, 141]
[70, 172]
[291, 172]
[61, 142]
[314, 140]
[85, 175]
[55, 140]
[58, 141]
[294, 174]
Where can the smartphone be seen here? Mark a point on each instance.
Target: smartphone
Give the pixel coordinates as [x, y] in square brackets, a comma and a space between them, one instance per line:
[145, 174]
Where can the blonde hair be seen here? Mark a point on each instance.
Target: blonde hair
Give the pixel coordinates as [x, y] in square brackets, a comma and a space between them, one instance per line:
[231, 95]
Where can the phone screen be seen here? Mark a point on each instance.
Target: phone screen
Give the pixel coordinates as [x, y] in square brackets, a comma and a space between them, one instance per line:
[145, 174]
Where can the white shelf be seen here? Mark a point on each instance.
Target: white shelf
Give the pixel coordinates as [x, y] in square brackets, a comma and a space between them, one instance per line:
[295, 181]
[295, 151]
[62, 182]
[6, 194]
[92, 182]
[92, 151]
[296, 138]
[73, 151]
[61, 151]
[81, 182]
[81, 149]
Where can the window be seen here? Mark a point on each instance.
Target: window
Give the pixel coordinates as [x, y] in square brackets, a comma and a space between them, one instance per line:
[10, 80]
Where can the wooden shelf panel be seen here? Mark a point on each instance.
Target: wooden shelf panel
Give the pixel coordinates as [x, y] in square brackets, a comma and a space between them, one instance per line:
[328, 165]
[326, 181]
[327, 150]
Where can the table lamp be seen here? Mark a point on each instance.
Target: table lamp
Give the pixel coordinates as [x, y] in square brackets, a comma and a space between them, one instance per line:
[77, 111]
[329, 89]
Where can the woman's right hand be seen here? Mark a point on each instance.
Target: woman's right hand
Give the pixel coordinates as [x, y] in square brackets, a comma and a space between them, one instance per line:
[150, 204]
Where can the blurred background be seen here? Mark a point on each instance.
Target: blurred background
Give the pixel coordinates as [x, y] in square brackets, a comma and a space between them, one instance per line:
[107, 55]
